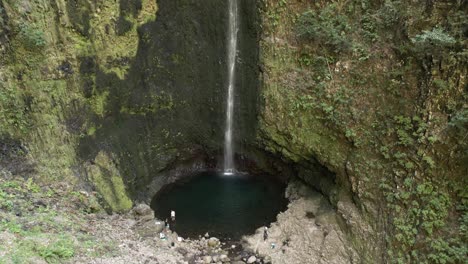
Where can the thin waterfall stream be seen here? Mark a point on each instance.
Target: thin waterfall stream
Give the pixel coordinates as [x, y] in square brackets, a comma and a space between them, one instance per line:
[208, 201]
[232, 52]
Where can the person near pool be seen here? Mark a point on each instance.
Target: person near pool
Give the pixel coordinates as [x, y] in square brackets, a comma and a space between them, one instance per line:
[173, 215]
[265, 233]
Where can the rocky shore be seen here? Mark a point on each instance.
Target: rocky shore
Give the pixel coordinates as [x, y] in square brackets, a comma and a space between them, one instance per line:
[59, 225]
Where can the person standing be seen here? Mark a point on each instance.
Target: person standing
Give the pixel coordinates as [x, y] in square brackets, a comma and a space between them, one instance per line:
[265, 233]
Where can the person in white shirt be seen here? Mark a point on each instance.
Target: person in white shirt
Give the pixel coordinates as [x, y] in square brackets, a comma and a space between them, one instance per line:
[173, 215]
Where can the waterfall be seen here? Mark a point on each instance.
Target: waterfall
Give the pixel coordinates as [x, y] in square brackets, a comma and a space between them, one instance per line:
[231, 52]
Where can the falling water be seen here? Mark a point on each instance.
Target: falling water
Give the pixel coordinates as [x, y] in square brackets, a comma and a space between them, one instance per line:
[232, 50]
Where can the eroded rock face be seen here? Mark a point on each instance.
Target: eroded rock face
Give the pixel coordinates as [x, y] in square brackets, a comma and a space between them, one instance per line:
[309, 231]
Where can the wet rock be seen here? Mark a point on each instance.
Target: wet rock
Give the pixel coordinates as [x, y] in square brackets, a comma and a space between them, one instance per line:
[251, 259]
[213, 242]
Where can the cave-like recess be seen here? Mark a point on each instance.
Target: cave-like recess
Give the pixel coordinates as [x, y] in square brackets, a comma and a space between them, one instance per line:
[180, 65]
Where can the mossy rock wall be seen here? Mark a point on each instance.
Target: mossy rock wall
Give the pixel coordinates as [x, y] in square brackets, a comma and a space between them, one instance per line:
[142, 81]
[376, 92]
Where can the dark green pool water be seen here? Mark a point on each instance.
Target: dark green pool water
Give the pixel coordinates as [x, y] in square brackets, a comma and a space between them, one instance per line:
[223, 206]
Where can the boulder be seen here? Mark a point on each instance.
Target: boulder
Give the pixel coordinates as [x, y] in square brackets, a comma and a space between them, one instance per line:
[143, 209]
[149, 228]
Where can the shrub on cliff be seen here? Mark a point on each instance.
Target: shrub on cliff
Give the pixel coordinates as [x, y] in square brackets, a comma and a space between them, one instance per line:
[31, 36]
[324, 28]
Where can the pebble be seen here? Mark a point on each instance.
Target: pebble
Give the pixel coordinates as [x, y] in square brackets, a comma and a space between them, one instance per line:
[207, 259]
[224, 258]
[251, 260]
[213, 242]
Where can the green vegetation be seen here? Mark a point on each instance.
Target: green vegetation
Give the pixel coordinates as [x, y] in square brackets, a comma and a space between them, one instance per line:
[13, 116]
[109, 183]
[325, 28]
[63, 248]
[420, 203]
[436, 37]
[32, 36]
[36, 230]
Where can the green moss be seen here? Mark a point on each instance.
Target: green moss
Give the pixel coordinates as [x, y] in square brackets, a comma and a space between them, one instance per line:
[99, 102]
[91, 131]
[109, 183]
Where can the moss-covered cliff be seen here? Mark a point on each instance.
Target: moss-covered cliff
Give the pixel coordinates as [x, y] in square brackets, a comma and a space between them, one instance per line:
[101, 91]
[376, 91]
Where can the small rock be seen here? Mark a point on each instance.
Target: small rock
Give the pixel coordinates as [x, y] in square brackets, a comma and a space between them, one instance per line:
[207, 259]
[182, 251]
[251, 260]
[213, 242]
[207, 235]
[224, 258]
[189, 256]
[39, 202]
[267, 259]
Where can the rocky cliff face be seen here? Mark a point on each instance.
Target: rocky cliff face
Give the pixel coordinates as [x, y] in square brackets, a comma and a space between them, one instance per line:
[376, 92]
